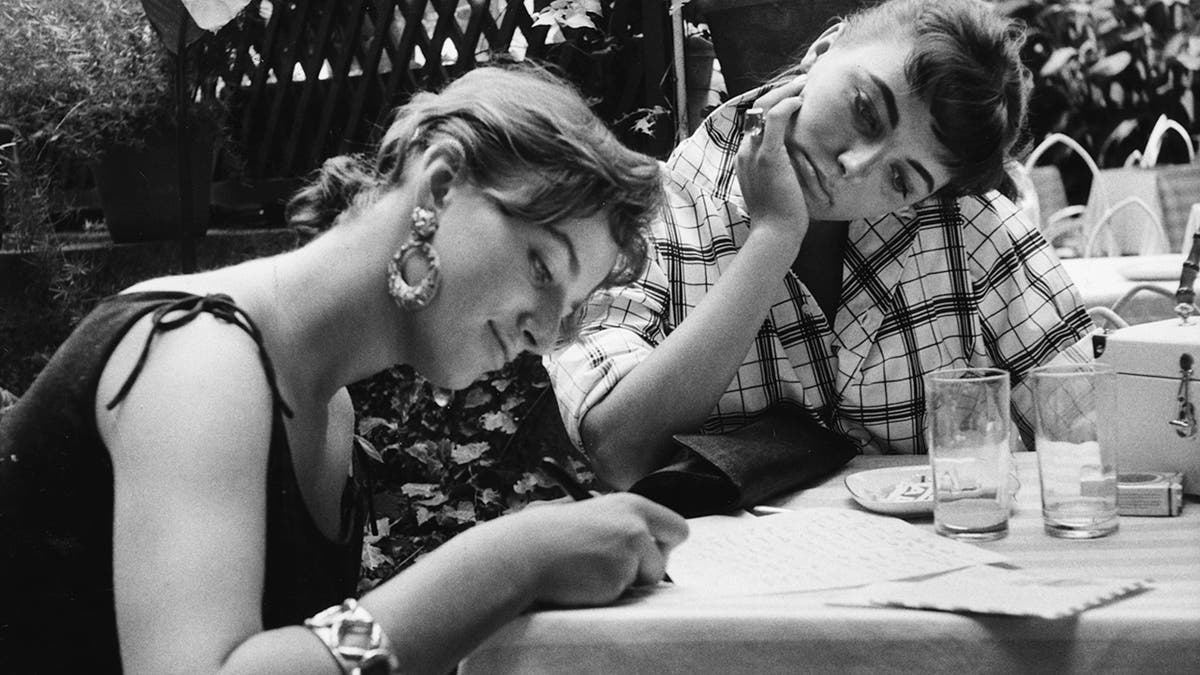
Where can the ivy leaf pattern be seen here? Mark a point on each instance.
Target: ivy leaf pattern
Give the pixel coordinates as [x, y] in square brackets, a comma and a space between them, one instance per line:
[440, 470]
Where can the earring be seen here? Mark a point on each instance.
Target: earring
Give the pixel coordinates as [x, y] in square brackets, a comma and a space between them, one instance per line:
[409, 296]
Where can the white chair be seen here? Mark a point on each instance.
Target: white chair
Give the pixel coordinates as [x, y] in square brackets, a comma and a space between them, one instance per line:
[1060, 222]
[1101, 241]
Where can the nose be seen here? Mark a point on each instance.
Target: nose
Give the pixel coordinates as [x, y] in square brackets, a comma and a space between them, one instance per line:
[856, 160]
[540, 328]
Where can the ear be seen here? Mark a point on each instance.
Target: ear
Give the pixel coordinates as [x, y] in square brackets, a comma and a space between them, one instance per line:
[821, 45]
[439, 173]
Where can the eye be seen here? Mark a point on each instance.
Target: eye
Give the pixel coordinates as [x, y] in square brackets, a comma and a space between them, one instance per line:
[864, 111]
[541, 273]
[899, 182]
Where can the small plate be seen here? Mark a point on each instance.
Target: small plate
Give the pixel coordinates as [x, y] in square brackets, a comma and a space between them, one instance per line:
[897, 490]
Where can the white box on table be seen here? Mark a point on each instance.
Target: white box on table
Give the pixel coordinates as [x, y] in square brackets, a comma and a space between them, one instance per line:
[1155, 432]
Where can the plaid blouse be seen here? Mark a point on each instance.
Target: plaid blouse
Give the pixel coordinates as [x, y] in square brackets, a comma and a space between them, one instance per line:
[945, 283]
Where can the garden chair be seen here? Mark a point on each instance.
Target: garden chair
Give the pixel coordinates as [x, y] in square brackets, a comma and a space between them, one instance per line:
[1077, 225]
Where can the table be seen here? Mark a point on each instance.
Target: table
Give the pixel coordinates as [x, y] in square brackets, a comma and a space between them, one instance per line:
[671, 630]
[1104, 281]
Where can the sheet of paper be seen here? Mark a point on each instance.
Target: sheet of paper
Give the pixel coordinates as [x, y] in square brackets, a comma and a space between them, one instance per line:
[811, 549]
[995, 590]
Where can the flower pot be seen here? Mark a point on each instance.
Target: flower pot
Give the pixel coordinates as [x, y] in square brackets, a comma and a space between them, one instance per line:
[755, 39]
[139, 191]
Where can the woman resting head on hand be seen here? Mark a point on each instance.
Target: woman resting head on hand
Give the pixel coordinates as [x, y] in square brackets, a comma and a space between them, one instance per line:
[900, 101]
[828, 240]
[178, 489]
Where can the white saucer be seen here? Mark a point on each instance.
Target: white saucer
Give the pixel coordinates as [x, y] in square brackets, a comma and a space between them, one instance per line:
[872, 489]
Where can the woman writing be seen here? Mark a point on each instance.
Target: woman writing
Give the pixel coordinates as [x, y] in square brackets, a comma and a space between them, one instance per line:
[175, 484]
[832, 257]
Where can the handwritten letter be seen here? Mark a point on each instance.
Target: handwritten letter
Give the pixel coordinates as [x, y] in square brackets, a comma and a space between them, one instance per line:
[812, 549]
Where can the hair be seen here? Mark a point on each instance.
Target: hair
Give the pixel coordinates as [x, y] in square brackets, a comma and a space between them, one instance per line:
[527, 139]
[966, 65]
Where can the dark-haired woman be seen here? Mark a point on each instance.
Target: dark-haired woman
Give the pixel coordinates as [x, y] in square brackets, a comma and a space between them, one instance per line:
[851, 242]
[178, 489]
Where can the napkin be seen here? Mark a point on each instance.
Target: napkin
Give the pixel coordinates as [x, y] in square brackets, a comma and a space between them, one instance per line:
[782, 451]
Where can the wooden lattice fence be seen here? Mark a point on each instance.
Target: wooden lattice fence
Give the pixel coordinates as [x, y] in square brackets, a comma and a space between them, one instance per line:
[309, 79]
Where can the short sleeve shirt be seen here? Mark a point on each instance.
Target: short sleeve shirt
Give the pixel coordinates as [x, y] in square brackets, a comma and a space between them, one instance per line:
[949, 282]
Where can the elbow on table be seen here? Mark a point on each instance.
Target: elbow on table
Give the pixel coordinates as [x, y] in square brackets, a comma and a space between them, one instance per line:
[619, 462]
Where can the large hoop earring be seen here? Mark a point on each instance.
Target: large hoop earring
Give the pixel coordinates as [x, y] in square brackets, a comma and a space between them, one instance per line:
[415, 297]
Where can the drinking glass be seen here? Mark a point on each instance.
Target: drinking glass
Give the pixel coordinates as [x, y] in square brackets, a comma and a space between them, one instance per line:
[1077, 462]
[968, 420]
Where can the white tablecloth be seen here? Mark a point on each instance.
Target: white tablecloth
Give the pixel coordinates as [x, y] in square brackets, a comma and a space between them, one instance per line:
[669, 630]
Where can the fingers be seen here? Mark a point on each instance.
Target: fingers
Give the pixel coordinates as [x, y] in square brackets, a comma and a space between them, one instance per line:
[784, 91]
[768, 120]
[778, 117]
[652, 563]
[667, 528]
[620, 539]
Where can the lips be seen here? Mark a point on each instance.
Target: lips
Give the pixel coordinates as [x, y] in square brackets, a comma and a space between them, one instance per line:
[812, 180]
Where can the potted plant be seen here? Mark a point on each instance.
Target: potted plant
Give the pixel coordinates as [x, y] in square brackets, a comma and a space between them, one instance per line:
[89, 83]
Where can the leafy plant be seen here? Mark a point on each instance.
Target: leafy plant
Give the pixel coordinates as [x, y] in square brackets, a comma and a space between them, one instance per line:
[1105, 70]
[442, 469]
[81, 76]
[592, 41]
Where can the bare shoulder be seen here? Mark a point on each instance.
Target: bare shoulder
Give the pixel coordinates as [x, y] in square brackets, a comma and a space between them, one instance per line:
[199, 385]
[189, 443]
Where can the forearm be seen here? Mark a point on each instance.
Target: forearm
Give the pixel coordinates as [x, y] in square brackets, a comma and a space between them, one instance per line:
[437, 611]
[434, 613]
[446, 604]
[628, 433]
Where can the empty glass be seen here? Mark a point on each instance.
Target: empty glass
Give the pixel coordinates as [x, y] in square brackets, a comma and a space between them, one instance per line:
[1076, 460]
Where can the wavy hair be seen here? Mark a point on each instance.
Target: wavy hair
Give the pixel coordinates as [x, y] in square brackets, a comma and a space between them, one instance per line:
[527, 139]
[966, 65]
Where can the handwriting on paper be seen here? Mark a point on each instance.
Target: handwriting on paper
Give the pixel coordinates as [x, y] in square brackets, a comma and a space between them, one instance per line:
[812, 549]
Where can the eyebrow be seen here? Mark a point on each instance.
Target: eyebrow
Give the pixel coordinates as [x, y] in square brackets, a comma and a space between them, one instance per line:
[889, 101]
[566, 242]
[920, 168]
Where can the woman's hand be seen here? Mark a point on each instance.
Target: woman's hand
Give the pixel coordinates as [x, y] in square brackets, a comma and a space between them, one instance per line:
[589, 552]
[773, 194]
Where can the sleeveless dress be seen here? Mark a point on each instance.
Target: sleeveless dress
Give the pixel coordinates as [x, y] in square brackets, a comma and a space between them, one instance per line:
[56, 503]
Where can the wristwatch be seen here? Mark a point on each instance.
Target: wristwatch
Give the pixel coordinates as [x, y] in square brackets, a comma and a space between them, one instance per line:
[354, 639]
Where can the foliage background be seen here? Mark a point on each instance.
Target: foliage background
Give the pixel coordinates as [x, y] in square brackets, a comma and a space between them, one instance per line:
[446, 468]
[1104, 71]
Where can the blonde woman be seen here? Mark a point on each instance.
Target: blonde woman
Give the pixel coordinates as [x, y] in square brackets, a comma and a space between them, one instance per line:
[179, 491]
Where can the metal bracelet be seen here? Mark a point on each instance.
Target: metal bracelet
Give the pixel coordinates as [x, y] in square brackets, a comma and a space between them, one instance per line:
[356, 642]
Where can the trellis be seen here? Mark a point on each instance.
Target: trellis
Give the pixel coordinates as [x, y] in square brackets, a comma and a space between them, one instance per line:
[309, 79]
